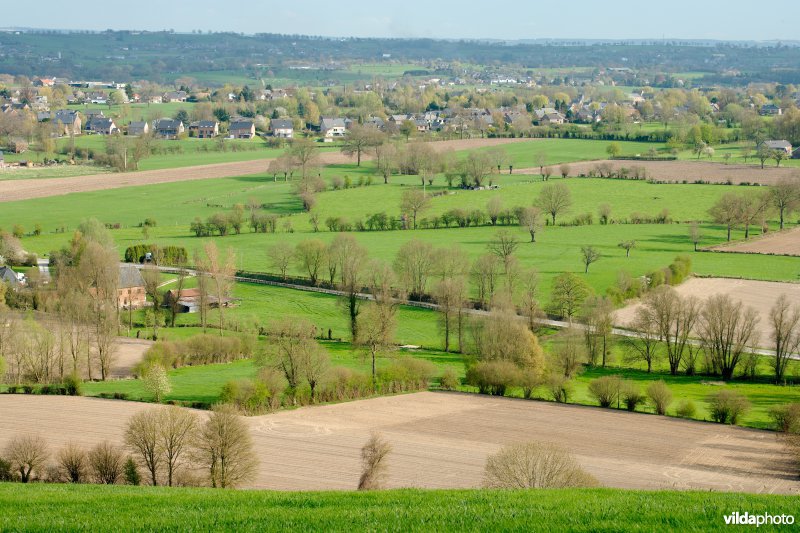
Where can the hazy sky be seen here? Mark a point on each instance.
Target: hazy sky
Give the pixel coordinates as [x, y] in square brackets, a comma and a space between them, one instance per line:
[498, 19]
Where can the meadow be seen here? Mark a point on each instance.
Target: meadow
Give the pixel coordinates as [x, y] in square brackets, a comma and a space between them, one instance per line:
[91, 508]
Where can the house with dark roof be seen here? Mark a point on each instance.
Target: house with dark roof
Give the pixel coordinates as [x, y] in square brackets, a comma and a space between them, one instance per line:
[11, 278]
[136, 129]
[67, 122]
[168, 128]
[784, 146]
[770, 110]
[242, 129]
[175, 96]
[281, 127]
[204, 129]
[332, 127]
[130, 293]
[101, 126]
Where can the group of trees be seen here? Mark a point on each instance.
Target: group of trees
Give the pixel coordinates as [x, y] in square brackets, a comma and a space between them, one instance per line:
[163, 446]
[752, 209]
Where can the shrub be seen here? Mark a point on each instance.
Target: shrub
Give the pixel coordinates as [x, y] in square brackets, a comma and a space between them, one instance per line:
[493, 377]
[686, 409]
[5, 470]
[606, 390]
[406, 374]
[535, 465]
[727, 406]
[786, 417]
[72, 385]
[106, 463]
[660, 396]
[131, 472]
[449, 379]
[373, 463]
[560, 388]
[631, 395]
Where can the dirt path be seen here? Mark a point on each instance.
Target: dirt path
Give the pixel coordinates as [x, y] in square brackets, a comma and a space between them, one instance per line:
[441, 440]
[14, 190]
[760, 295]
[678, 171]
[129, 354]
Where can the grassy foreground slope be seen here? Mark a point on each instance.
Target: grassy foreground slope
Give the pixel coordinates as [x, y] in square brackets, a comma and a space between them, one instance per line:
[97, 508]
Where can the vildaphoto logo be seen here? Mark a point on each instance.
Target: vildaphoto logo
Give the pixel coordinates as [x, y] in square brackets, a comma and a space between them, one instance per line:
[747, 519]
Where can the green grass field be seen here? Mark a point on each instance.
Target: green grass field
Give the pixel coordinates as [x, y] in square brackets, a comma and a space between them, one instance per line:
[40, 507]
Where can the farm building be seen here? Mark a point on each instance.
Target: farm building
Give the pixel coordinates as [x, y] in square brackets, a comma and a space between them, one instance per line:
[189, 300]
[131, 293]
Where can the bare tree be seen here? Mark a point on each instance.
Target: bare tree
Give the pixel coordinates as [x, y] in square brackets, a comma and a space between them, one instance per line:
[106, 463]
[568, 294]
[293, 347]
[359, 139]
[476, 167]
[597, 317]
[414, 263]
[386, 160]
[564, 170]
[224, 449]
[529, 301]
[413, 202]
[72, 463]
[535, 465]
[752, 208]
[152, 283]
[485, 271]
[99, 265]
[221, 270]
[727, 329]
[375, 334]
[494, 208]
[280, 257]
[311, 256]
[450, 295]
[675, 318]
[568, 353]
[785, 321]
[589, 255]
[786, 197]
[530, 218]
[142, 438]
[373, 463]
[644, 345]
[554, 199]
[27, 454]
[695, 234]
[351, 258]
[304, 155]
[627, 246]
[727, 211]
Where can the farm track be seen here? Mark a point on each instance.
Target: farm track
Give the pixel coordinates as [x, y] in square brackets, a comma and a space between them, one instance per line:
[785, 242]
[441, 440]
[15, 190]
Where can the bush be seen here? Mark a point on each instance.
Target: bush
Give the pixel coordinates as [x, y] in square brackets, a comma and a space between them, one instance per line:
[786, 417]
[72, 385]
[493, 377]
[686, 409]
[535, 465]
[660, 396]
[406, 374]
[449, 379]
[606, 390]
[560, 388]
[727, 406]
[5, 471]
[631, 395]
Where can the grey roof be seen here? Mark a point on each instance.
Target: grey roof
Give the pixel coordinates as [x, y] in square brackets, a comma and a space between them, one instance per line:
[242, 125]
[778, 145]
[8, 275]
[281, 124]
[99, 124]
[167, 124]
[328, 123]
[129, 277]
[205, 124]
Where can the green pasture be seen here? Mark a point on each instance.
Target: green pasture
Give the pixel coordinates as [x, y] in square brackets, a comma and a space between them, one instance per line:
[39, 507]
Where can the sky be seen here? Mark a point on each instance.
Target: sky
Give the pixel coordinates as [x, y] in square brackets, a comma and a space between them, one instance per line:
[496, 19]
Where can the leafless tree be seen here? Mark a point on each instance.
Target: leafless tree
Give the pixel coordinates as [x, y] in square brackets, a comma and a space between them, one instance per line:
[375, 334]
[529, 299]
[72, 463]
[695, 234]
[485, 271]
[280, 257]
[535, 465]
[106, 463]
[785, 321]
[304, 155]
[351, 258]
[311, 256]
[360, 139]
[176, 428]
[450, 295]
[530, 218]
[386, 160]
[554, 199]
[142, 438]
[627, 246]
[414, 202]
[28, 455]
[597, 317]
[152, 282]
[476, 167]
[220, 270]
[727, 329]
[224, 449]
[293, 348]
[727, 211]
[373, 463]
[786, 197]
[414, 263]
[675, 318]
[589, 255]
[644, 345]
[568, 353]
[568, 294]
[494, 208]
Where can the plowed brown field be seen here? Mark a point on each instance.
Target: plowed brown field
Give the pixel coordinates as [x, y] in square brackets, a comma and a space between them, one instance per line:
[442, 440]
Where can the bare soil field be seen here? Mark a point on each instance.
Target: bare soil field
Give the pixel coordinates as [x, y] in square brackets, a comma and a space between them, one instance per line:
[778, 243]
[441, 440]
[678, 171]
[760, 295]
[14, 190]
